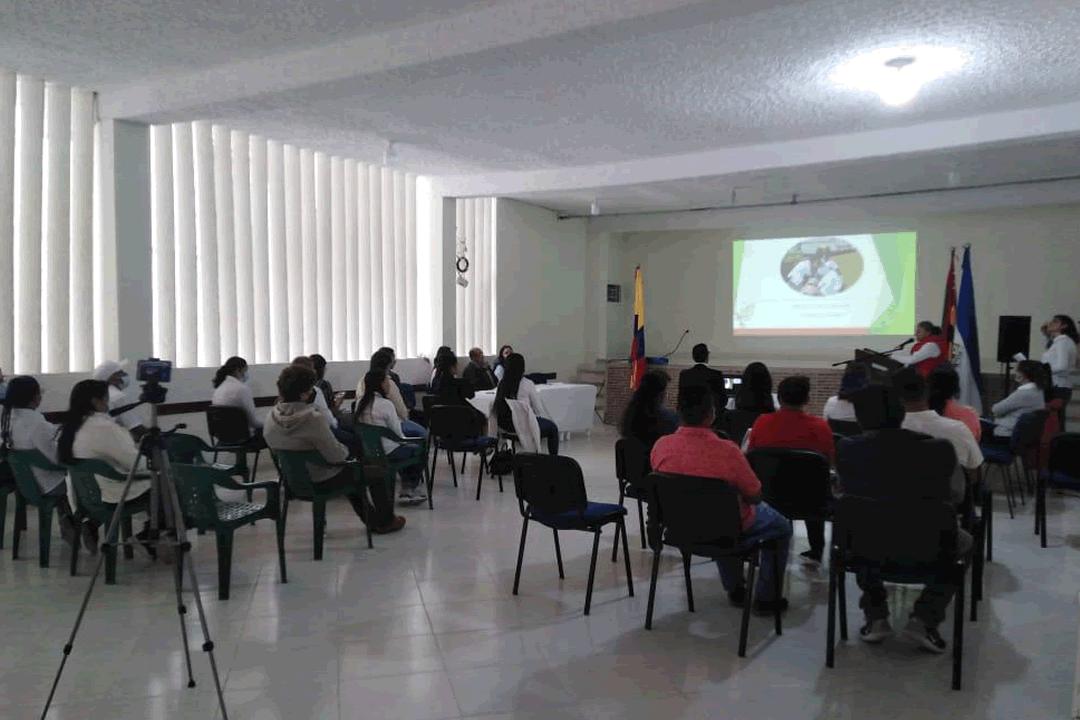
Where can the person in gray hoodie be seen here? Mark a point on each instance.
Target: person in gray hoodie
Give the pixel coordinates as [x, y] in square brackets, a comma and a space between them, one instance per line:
[295, 424]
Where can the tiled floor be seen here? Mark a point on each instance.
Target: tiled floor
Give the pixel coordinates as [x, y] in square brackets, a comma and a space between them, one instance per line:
[424, 627]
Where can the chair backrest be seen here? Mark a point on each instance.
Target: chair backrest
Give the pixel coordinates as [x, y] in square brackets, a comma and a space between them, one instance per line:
[845, 428]
[185, 448]
[549, 483]
[795, 482]
[83, 478]
[1028, 431]
[371, 441]
[227, 425]
[895, 534]
[736, 422]
[696, 510]
[1065, 455]
[453, 422]
[631, 461]
[22, 464]
[539, 378]
[294, 469]
[427, 401]
[195, 488]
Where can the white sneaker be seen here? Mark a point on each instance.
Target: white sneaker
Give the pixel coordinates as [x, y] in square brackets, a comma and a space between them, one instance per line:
[925, 637]
[874, 631]
[410, 497]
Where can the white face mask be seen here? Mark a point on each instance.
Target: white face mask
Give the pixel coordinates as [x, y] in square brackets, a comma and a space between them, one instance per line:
[244, 377]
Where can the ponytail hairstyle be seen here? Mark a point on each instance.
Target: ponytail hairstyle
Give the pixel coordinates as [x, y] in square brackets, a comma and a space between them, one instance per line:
[22, 391]
[373, 383]
[1035, 372]
[231, 367]
[930, 327]
[80, 407]
[1068, 327]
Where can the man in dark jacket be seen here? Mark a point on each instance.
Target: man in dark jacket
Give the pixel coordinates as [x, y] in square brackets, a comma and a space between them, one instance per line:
[477, 373]
[701, 375]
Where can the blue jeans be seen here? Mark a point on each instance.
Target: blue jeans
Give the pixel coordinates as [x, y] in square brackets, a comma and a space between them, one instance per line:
[768, 525]
[410, 476]
[413, 429]
[550, 432]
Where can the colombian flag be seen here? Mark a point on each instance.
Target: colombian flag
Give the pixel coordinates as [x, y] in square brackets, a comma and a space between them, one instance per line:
[637, 346]
[948, 314]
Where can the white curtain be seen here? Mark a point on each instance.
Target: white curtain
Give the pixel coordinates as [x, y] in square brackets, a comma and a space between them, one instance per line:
[49, 223]
[476, 310]
[270, 250]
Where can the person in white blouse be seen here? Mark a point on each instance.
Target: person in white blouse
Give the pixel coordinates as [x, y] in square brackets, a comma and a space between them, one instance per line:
[23, 427]
[231, 389]
[373, 408]
[1028, 397]
[515, 386]
[500, 360]
[115, 374]
[840, 406]
[1061, 357]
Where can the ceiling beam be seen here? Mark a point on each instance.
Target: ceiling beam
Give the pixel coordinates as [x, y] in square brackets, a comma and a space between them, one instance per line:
[194, 95]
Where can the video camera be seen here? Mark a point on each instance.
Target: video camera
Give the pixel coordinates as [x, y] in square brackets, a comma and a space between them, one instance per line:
[152, 372]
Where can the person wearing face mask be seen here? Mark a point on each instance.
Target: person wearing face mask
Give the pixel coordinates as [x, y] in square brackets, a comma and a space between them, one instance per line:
[115, 375]
[231, 389]
[1060, 355]
[1030, 395]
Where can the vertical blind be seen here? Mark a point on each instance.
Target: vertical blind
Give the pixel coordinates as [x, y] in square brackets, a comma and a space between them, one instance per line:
[50, 274]
[267, 250]
[476, 303]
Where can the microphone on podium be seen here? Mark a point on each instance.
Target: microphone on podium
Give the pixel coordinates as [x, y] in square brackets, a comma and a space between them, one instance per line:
[905, 343]
[677, 345]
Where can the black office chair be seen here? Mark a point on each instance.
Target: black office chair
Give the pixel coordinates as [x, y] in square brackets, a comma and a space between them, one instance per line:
[539, 378]
[1026, 439]
[631, 467]
[701, 516]
[902, 541]
[551, 491]
[229, 432]
[736, 423]
[797, 483]
[1062, 473]
[457, 428]
[845, 428]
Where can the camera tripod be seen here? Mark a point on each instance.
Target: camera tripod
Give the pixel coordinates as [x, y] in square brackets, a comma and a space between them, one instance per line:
[163, 497]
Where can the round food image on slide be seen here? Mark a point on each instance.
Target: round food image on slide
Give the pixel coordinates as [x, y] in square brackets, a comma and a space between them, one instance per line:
[822, 266]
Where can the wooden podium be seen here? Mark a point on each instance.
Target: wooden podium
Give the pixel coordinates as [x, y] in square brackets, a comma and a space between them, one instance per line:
[881, 366]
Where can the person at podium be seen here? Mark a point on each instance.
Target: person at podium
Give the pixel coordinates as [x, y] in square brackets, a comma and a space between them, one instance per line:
[930, 350]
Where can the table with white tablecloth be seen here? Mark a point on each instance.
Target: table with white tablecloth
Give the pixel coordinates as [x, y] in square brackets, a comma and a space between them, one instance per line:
[569, 405]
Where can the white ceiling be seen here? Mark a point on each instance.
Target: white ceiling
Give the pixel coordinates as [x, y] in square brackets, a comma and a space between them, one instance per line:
[500, 89]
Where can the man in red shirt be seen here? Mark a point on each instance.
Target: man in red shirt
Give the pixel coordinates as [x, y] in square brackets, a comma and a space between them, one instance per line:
[694, 449]
[791, 427]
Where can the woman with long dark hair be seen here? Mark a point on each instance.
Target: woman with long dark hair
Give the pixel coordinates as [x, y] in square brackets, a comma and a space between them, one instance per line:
[944, 385]
[645, 418]
[440, 358]
[1030, 395]
[840, 405]
[23, 427]
[515, 386]
[231, 389]
[755, 392]
[500, 360]
[1061, 357]
[373, 408]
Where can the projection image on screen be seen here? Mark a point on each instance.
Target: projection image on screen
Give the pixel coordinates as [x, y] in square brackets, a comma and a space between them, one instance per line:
[829, 285]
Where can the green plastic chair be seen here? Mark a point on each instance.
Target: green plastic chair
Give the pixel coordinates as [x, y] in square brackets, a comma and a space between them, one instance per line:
[7, 487]
[294, 467]
[22, 463]
[371, 440]
[88, 496]
[204, 510]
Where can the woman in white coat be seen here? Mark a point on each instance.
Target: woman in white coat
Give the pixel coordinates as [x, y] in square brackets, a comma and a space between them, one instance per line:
[1061, 357]
[232, 390]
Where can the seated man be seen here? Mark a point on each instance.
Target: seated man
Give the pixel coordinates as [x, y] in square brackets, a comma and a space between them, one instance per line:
[884, 462]
[477, 373]
[295, 424]
[918, 417]
[792, 427]
[694, 449]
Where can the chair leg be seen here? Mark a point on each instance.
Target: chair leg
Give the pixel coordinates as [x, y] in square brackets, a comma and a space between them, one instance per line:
[621, 528]
[74, 568]
[841, 592]
[45, 514]
[1018, 471]
[20, 525]
[778, 592]
[434, 459]
[615, 545]
[463, 456]
[369, 512]
[479, 473]
[689, 584]
[958, 633]
[830, 632]
[453, 467]
[224, 563]
[280, 528]
[521, 553]
[1042, 513]
[126, 533]
[744, 629]
[318, 518]
[592, 570]
[429, 480]
[558, 553]
[641, 523]
[988, 519]
[652, 589]
[3, 517]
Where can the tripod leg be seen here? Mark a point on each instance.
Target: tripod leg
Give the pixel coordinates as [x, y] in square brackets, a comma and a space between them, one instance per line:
[181, 610]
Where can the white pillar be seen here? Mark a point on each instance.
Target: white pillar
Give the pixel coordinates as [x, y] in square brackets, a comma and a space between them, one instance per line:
[260, 251]
[7, 220]
[310, 254]
[386, 303]
[226, 247]
[161, 238]
[187, 285]
[324, 278]
[352, 330]
[206, 238]
[245, 296]
[81, 289]
[280, 292]
[106, 310]
[135, 319]
[338, 262]
[28, 134]
[56, 216]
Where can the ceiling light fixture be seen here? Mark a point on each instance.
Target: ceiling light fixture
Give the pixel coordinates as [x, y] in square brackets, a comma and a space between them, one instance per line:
[897, 74]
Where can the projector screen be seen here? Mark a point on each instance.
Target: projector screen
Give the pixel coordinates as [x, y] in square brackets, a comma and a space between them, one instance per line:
[829, 285]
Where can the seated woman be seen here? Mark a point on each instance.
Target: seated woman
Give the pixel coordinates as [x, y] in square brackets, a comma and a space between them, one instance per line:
[755, 392]
[231, 390]
[839, 406]
[1031, 394]
[515, 386]
[944, 385]
[500, 360]
[23, 427]
[646, 419]
[440, 358]
[383, 360]
[295, 424]
[374, 408]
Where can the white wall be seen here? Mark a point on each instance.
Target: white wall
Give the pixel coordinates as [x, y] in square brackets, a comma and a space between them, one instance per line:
[1024, 262]
[540, 286]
